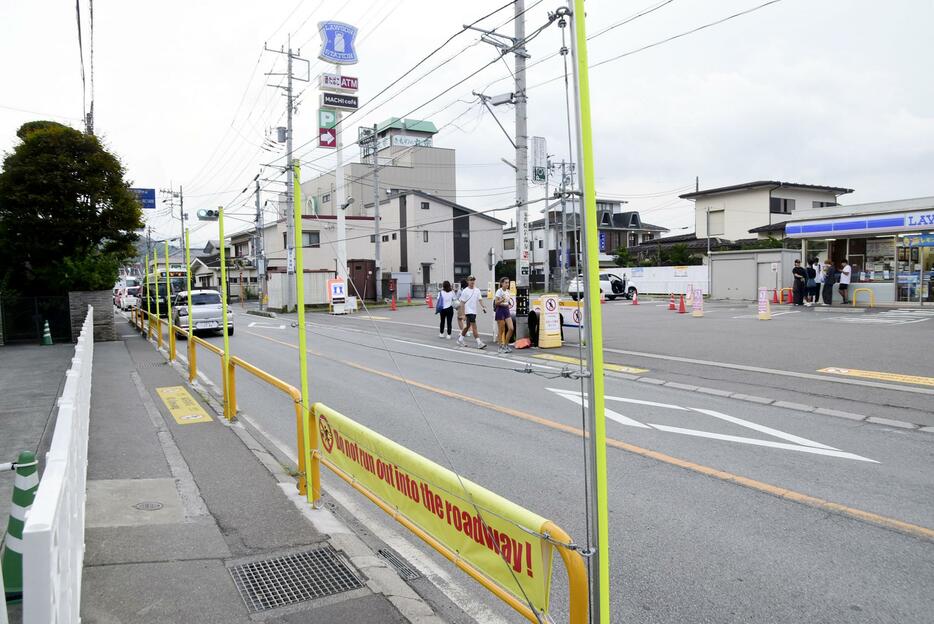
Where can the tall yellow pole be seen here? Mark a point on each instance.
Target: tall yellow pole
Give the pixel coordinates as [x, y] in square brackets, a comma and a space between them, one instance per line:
[148, 297]
[192, 366]
[227, 398]
[600, 576]
[309, 423]
[168, 305]
[155, 268]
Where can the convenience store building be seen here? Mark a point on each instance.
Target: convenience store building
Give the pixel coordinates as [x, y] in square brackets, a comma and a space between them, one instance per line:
[889, 245]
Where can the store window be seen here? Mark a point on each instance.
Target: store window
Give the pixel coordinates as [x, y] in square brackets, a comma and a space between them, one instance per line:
[879, 259]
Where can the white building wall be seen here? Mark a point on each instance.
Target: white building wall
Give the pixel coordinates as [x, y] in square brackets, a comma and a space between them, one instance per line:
[745, 210]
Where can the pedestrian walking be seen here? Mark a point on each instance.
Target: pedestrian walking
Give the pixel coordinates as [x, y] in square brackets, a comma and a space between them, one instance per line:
[459, 308]
[818, 280]
[828, 282]
[845, 274]
[445, 309]
[800, 277]
[470, 298]
[502, 315]
[810, 287]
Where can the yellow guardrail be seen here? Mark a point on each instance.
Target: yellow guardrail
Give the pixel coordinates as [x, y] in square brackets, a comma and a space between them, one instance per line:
[572, 559]
[868, 291]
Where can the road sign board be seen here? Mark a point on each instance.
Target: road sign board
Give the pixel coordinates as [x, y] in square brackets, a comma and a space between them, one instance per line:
[327, 118]
[336, 290]
[333, 82]
[327, 137]
[339, 100]
[539, 159]
[146, 197]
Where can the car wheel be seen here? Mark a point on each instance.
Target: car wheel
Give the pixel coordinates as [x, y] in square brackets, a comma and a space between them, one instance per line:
[630, 292]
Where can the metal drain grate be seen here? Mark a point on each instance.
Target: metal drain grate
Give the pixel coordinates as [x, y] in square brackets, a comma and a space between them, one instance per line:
[405, 570]
[294, 578]
[151, 364]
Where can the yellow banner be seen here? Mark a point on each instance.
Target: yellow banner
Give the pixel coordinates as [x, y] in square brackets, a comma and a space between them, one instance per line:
[494, 535]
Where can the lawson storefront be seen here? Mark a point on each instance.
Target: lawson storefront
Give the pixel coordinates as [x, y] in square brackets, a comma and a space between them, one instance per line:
[889, 245]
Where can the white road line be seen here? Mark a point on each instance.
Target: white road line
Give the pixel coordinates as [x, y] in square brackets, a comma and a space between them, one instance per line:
[772, 371]
[574, 395]
[623, 420]
[763, 429]
[769, 443]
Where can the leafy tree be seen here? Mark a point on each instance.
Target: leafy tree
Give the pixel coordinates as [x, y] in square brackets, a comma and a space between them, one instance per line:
[67, 216]
[623, 258]
[765, 243]
[679, 255]
[505, 268]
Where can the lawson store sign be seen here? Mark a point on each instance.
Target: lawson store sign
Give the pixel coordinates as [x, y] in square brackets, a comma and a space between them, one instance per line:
[864, 225]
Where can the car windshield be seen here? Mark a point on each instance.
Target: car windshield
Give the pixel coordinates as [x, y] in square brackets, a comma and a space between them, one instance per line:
[202, 299]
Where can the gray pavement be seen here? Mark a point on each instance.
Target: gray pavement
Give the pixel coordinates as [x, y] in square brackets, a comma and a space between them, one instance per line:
[712, 499]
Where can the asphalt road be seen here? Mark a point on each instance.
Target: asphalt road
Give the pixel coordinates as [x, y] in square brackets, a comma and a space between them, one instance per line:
[720, 510]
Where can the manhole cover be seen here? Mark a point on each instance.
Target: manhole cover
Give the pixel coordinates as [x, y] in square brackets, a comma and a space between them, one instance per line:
[148, 506]
[405, 570]
[282, 581]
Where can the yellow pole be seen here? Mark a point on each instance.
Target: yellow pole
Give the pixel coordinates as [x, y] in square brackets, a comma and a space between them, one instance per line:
[148, 297]
[226, 366]
[309, 423]
[168, 305]
[155, 268]
[192, 365]
[600, 590]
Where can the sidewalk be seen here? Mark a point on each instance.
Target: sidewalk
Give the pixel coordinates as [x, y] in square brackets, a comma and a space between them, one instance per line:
[173, 508]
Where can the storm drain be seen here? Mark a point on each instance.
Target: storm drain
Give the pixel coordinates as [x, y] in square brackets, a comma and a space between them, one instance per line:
[406, 571]
[294, 578]
[151, 364]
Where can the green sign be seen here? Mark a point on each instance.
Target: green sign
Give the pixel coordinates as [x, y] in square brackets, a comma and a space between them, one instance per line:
[327, 118]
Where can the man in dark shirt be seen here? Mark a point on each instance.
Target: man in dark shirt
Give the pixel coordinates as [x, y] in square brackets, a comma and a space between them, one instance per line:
[801, 276]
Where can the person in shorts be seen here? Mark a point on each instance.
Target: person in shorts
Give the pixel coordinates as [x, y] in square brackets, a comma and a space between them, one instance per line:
[845, 274]
[503, 316]
[459, 308]
[470, 298]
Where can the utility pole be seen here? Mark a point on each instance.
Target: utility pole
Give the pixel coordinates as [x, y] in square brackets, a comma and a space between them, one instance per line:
[172, 195]
[564, 229]
[522, 176]
[379, 266]
[291, 247]
[259, 250]
[547, 244]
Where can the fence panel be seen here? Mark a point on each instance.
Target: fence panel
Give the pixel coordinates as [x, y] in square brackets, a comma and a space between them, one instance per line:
[53, 536]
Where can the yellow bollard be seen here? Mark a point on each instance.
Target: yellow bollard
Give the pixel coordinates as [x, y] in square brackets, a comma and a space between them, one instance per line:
[231, 411]
[192, 360]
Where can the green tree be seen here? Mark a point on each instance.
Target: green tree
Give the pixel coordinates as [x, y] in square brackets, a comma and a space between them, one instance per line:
[505, 268]
[679, 255]
[623, 258]
[67, 216]
[764, 243]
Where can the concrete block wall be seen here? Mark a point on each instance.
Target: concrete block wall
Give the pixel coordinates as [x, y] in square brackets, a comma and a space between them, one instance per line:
[103, 303]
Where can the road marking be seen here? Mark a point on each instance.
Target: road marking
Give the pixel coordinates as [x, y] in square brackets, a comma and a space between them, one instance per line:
[753, 484]
[852, 372]
[771, 371]
[774, 314]
[901, 316]
[183, 407]
[801, 445]
[265, 326]
[619, 368]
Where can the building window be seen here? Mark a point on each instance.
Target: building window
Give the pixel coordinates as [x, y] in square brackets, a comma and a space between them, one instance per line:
[425, 206]
[509, 243]
[648, 236]
[425, 236]
[372, 238]
[541, 243]
[461, 271]
[715, 223]
[462, 234]
[325, 198]
[385, 238]
[253, 280]
[819, 204]
[393, 236]
[311, 239]
[778, 205]
[633, 239]
[285, 240]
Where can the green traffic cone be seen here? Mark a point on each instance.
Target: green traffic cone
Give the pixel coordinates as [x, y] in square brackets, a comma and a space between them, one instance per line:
[24, 492]
[46, 335]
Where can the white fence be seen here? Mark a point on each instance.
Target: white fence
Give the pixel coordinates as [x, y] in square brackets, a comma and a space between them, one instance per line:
[664, 280]
[53, 536]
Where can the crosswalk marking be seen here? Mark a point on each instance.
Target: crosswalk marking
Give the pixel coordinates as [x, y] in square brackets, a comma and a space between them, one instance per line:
[900, 316]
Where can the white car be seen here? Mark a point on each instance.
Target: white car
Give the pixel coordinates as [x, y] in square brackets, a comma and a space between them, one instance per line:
[206, 311]
[611, 285]
[128, 298]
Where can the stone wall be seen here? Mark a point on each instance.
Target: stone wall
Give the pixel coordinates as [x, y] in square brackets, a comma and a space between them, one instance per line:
[103, 302]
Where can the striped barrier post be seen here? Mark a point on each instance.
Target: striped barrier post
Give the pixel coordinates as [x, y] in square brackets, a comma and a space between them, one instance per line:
[24, 492]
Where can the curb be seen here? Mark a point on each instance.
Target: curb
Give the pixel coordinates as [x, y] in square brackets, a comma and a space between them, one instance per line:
[261, 313]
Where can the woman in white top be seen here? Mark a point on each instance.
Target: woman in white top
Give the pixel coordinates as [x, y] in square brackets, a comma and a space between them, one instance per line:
[446, 297]
[502, 315]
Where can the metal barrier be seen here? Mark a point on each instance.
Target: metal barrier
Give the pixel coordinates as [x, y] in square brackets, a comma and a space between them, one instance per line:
[573, 561]
[53, 535]
[868, 291]
[781, 295]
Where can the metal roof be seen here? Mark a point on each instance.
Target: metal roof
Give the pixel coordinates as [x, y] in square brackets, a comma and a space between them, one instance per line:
[413, 125]
[838, 190]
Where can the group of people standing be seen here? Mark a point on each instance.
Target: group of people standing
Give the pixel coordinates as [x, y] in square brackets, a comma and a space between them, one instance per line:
[465, 304]
[815, 282]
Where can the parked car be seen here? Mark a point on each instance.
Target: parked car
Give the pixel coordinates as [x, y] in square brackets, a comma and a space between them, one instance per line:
[206, 311]
[128, 298]
[611, 285]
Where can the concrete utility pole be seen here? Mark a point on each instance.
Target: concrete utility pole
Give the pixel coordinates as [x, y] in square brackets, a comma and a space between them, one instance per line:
[291, 247]
[522, 176]
[379, 266]
[564, 229]
[172, 195]
[547, 244]
[259, 250]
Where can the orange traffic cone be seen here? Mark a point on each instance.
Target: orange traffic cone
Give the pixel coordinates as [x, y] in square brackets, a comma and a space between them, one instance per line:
[408, 299]
[635, 297]
[602, 296]
[392, 306]
[429, 301]
[775, 296]
[681, 308]
[671, 302]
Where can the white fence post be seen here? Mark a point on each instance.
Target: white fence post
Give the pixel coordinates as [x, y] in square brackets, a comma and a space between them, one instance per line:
[53, 536]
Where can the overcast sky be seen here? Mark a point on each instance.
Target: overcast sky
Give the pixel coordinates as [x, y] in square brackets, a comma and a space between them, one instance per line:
[822, 92]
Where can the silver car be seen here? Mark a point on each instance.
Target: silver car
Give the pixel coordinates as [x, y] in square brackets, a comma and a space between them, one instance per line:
[206, 311]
